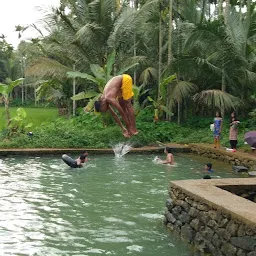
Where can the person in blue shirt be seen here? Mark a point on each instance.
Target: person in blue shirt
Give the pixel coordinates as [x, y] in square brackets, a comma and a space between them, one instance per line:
[217, 130]
[208, 168]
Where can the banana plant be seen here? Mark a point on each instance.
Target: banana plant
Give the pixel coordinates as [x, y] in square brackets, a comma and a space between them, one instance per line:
[160, 103]
[100, 77]
[18, 123]
[5, 91]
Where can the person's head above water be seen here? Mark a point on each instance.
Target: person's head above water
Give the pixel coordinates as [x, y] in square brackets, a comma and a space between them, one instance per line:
[168, 150]
[84, 153]
[208, 166]
[82, 157]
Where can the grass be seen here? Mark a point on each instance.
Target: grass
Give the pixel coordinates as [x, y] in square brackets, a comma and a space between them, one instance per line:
[37, 116]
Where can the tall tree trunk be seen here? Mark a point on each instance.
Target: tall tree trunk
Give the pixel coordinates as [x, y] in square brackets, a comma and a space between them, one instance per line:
[35, 95]
[118, 5]
[179, 112]
[227, 8]
[248, 10]
[203, 11]
[223, 87]
[220, 8]
[170, 57]
[74, 91]
[160, 46]
[134, 55]
[240, 10]
[160, 42]
[26, 92]
[179, 55]
[134, 44]
[7, 111]
[22, 93]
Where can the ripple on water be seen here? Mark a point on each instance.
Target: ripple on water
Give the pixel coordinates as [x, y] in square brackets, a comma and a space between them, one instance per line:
[94, 250]
[157, 191]
[136, 182]
[151, 215]
[112, 219]
[135, 248]
[119, 239]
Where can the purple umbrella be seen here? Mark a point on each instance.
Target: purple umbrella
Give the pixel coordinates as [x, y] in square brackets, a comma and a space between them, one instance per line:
[250, 138]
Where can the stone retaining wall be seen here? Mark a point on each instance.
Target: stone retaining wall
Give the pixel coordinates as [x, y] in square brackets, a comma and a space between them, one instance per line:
[233, 158]
[209, 228]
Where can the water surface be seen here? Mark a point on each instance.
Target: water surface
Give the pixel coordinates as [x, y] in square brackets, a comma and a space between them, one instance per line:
[110, 207]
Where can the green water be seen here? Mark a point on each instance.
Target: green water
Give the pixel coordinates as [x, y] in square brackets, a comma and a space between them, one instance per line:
[111, 207]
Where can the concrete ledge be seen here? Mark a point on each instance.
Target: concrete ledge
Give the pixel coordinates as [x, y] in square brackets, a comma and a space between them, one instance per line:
[233, 158]
[58, 151]
[208, 191]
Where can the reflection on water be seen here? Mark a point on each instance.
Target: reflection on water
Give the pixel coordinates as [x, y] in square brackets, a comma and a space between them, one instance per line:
[110, 207]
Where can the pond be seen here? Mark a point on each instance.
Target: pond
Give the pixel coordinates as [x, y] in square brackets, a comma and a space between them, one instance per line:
[110, 207]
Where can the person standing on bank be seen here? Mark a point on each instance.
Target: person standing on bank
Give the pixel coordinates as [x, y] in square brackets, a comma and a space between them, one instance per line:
[233, 131]
[118, 94]
[217, 130]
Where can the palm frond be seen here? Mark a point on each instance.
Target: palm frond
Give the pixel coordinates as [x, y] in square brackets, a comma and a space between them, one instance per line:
[209, 65]
[83, 75]
[84, 95]
[217, 99]
[123, 70]
[182, 90]
[47, 68]
[124, 27]
[148, 74]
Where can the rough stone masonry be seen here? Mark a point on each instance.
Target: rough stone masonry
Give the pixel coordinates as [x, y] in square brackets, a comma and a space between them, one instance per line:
[216, 229]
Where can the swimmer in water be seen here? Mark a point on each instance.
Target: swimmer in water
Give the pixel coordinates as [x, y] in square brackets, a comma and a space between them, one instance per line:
[169, 157]
[83, 158]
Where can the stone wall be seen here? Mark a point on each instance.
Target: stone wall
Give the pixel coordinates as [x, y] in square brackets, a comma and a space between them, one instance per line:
[210, 230]
[233, 158]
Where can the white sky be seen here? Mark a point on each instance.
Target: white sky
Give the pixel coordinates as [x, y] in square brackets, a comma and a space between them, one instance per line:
[20, 12]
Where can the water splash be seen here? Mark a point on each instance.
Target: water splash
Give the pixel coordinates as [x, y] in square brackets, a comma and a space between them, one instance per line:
[121, 149]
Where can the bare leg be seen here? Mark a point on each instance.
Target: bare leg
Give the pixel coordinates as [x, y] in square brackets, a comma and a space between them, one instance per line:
[129, 112]
[124, 130]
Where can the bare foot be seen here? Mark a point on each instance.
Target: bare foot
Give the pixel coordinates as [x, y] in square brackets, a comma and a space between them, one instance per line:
[135, 132]
[126, 134]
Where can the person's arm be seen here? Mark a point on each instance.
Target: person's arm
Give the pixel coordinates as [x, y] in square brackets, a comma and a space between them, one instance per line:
[112, 112]
[115, 104]
[78, 162]
[169, 159]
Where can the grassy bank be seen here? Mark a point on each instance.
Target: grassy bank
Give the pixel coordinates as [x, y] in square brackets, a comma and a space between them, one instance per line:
[87, 130]
[34, 115]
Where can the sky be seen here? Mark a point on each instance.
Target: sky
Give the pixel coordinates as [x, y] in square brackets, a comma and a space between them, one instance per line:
[21, 12]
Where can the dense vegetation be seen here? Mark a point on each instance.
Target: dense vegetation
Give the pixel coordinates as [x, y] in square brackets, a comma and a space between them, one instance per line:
[187, 58]
[88, 131]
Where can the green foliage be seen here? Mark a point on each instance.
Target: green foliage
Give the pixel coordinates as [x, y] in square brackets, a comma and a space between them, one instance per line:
[87, 130]
[19, 124]
[34, 115]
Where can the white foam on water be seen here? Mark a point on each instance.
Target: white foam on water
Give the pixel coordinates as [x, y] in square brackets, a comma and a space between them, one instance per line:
[112, 219]
[136, 182]
[152, 215]
[156, 191]
[117, 195]
[93, 250]
[121, 149]
[114, 240]
[135, 248]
